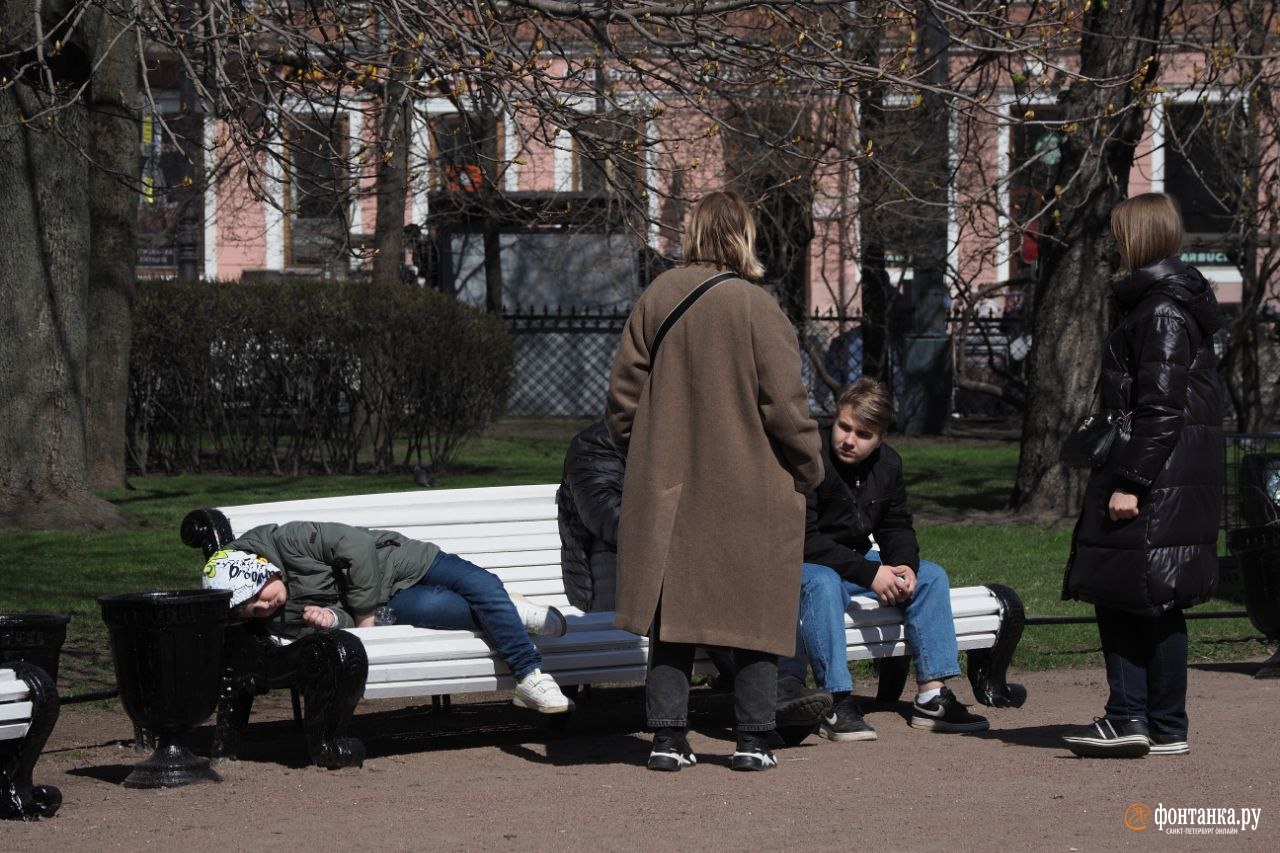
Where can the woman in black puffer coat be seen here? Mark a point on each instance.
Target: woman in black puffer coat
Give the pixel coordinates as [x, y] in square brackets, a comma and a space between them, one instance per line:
[1145, 546]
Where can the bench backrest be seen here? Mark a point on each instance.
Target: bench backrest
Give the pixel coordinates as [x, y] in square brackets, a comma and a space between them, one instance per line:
[510, 530]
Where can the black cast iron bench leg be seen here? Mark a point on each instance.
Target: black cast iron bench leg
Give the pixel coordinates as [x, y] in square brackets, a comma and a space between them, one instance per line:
[989, 668]
[20, 799]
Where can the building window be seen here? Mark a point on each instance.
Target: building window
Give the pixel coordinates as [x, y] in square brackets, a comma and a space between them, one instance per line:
[460, 146]
[613, 160]
[317, 189]
[1203, 164]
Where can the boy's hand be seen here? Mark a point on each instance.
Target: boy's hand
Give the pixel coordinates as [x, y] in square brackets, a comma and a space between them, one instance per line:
[320, 618]
[890, 586]
[909, 579]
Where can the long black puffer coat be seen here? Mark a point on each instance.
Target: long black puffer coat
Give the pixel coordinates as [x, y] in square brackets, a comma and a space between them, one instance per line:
[1159, 364]
[589, 503]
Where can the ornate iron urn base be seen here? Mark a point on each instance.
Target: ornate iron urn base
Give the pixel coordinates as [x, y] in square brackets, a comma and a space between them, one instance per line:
[167, 648]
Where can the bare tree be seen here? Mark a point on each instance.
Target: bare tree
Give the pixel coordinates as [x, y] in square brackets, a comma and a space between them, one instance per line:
[46, 127]
[807, 106]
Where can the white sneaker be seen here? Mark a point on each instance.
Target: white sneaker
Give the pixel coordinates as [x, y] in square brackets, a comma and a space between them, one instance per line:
[539, 692]
[539, 620]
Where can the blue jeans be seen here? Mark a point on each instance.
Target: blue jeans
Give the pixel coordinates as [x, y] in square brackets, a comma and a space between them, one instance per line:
[820, 638]
[458, 595]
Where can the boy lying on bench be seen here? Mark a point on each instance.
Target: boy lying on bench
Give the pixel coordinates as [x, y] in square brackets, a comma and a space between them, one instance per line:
[304, 576]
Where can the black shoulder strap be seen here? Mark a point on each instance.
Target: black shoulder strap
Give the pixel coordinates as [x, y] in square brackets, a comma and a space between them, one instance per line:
[685, 304]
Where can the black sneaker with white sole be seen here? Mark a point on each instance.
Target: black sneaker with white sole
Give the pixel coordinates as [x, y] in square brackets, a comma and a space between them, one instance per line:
[946, 713]
[1107, 738]
[845, 723]
[671, 751]
[753, 753]
[1165, 744]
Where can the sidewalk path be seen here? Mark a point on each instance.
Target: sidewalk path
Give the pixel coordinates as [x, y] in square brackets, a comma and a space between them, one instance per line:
[491, 778]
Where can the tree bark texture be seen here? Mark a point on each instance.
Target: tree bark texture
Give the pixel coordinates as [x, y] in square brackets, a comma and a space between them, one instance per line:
[113, 212]
[1072, 299]
[393, 176]
[44, 286]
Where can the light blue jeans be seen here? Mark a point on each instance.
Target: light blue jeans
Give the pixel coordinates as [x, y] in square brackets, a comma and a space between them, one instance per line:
[820, 638]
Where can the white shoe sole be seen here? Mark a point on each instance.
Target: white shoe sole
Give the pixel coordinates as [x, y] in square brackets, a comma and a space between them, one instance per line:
[1176, 748]
[520, 702]
[846, 737]
[1129, 746]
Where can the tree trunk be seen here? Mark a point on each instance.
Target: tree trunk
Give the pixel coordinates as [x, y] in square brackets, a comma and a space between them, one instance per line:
[393, 176]
[113, 214]
[44, 286]
[875, 288]
[925, 406]
[1072, 297]
[1241, 366]
[489, 193]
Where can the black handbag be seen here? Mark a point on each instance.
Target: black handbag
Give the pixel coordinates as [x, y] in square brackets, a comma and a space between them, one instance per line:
[1089, 443]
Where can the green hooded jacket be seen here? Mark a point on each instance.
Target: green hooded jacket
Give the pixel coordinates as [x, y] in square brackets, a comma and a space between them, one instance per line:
[349, 569]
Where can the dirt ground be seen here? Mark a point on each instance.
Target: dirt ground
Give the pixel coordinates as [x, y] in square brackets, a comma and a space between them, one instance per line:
[491, 777]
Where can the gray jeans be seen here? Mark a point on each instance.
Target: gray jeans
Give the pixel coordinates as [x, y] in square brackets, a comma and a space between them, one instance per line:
[755, 685]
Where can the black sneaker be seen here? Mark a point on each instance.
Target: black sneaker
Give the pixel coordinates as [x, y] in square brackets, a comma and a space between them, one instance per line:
[1109, 739]
[671, 751]
[1163, 744]
[845, 723]
[753, 753]
[946, 713]
[799, 705]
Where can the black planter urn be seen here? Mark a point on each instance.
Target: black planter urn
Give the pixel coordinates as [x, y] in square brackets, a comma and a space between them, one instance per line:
[167, 648]
[35, 638]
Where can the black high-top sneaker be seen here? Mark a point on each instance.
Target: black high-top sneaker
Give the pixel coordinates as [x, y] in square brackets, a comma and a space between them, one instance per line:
[671, 751]
[753, 753]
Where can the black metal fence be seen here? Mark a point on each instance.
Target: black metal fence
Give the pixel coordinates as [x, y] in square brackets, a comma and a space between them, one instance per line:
[563, 359]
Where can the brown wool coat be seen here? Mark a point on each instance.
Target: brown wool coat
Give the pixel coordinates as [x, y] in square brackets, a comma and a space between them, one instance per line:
[720, 452]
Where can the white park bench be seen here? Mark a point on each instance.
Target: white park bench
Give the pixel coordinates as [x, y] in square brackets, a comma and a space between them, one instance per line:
[512, 531]
[28, 710]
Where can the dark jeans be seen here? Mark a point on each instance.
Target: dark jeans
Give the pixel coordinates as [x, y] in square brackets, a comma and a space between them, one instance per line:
[1146, 668]
[755, 685]
[458, 595]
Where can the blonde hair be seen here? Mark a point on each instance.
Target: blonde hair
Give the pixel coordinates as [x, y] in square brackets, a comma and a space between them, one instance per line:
[1146, 228]
[870, 402]
[722, 232]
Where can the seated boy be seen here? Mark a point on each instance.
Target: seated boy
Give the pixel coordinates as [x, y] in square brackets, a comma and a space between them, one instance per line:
[863, 496]
[305, 576]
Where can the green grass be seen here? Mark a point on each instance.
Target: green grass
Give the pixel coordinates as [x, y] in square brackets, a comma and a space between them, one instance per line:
[957, 487]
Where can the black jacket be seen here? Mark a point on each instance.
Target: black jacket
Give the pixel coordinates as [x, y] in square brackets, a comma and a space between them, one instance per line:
[1158, 363]
[854, 503]
[589, 502]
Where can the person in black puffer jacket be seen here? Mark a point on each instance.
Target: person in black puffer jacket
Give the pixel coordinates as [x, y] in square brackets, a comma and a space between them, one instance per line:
[1145, 546]
[589, 502]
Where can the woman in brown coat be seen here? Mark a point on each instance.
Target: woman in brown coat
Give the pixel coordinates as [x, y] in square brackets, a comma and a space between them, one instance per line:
[720, 453]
